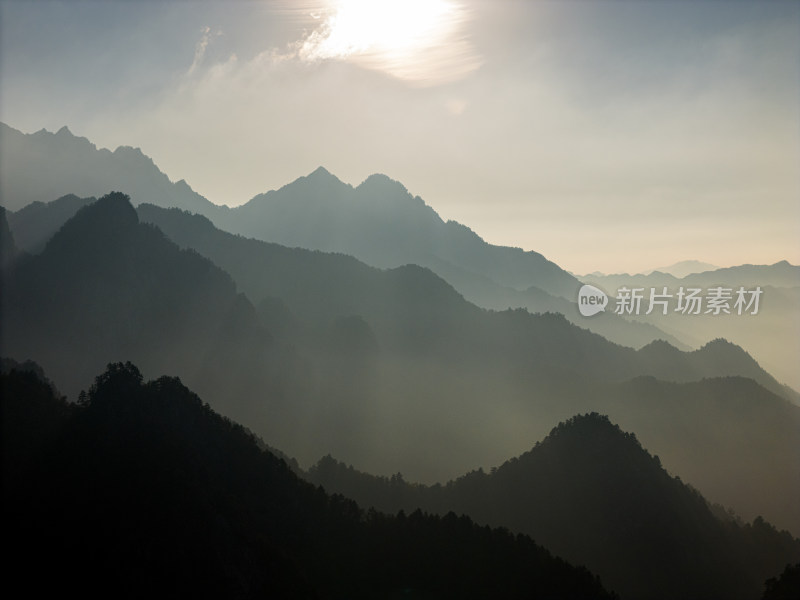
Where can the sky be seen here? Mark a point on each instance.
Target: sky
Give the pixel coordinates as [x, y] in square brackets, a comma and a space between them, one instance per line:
[609, 135]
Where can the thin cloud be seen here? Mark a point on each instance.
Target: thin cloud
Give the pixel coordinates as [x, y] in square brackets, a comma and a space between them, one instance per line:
[200, 49]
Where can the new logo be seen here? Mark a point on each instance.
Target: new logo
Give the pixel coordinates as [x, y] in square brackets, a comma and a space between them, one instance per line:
[591, 300]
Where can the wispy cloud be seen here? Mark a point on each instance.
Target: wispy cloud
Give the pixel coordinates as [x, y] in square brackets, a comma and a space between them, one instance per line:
[201, 47]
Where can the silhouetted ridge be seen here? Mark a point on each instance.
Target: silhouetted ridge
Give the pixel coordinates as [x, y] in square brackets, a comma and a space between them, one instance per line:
[378, 183]
[590, 429]
[379, 222]
[658, 346]
[109, 219]
[158, 494]
[731, 359]
[321, 174]
[36, 223]
[784, 587]
[7, 365]
[660, 350]
[43, 166]
[450, 386]
[61, 139]
[108, 286]
[590, 492]
[718, 358]
[482, 366]
[8, 248]
[419, 284]
[722, 345]
[321, 177]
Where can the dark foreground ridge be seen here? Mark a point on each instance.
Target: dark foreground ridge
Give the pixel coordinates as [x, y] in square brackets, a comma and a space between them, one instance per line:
[590, 493]
[142, 490]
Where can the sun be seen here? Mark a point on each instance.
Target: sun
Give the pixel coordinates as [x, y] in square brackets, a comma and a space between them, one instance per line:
[410, 39]
[385, 26]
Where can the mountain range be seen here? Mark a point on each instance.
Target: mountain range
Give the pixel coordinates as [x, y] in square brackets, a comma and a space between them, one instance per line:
[780, 275]
[141, 489]
[373, 363]
[590, 492]
[155, 490]
[333, 320]
[684, 268]
[379, 222]
[39, 167]
[382, 224]
[772, 335]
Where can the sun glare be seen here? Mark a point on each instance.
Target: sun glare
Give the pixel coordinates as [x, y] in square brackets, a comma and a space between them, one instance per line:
[406, 38]
[387, 26]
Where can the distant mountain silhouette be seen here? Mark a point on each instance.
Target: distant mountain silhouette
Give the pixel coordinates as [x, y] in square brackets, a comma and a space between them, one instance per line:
[142, 490]
[592, 493]
[380, 223]
[301, 278]
[684, 268]
[42, 166]
[319, 287]
[770, 336]
[37, 222]
[781, 275]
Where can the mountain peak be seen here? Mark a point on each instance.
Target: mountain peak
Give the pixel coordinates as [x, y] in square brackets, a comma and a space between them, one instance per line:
[379, 181]
[320, 171]
[321, 175]
[111, 217]
[381, 190]
[721, 343]
[659, 346]
[64, 131]
[583, 423]
[683, 268]
[135, 156]
[130, 150]
[374, 177]
[115, 206]
[318, 178]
